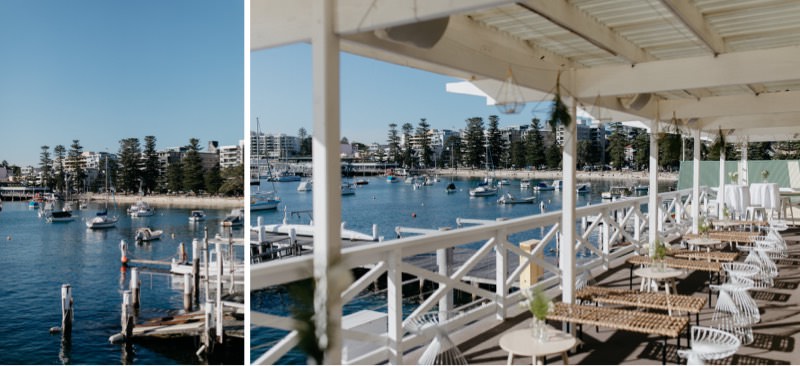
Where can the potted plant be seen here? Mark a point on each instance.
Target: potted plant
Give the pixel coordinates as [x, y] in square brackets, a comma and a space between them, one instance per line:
[734, 176]
[765, 175]
[539, 305]
[659, 254]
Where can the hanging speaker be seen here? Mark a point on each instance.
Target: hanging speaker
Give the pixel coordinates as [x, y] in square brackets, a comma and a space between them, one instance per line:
[423, 34]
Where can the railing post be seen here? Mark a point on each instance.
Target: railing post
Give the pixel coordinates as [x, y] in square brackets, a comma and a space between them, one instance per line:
[394, 307]
[653, 206]
[696, 183]
[605, 245]
[501, 260]
[444, 258]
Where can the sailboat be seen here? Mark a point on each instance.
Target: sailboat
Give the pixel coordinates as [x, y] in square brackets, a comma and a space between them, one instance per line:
[262, 200]
[485, 188]
[63, 215]
[101, 220]
[451, 187]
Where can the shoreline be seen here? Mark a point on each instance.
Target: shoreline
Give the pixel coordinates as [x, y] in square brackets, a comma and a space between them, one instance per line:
[557, 174]
[174, 200]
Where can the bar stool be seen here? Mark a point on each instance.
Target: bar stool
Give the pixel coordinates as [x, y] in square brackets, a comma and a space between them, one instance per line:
[786, 202]
[755, 211]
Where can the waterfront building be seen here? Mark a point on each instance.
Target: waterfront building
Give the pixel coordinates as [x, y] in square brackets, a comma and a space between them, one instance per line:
[231, 155]
[274, 146]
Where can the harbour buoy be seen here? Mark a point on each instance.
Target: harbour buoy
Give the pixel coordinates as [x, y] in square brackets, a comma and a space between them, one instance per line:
[124, 260]
[173, 235]
[8, 238]
[55, 330]
[413, 214]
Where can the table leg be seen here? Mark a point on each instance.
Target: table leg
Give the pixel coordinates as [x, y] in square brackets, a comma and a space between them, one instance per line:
[510, 359]
[664, 352]
[630, 279]
[565, 358]
[536, 361]
[666, 289]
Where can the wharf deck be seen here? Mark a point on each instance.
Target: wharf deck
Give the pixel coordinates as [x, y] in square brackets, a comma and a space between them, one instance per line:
[776, 336]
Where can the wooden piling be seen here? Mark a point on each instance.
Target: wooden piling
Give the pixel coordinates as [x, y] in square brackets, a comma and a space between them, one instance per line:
[127, 320]
[187, 292]
[134, 287]
[66, 309]
[206, 263]
[196, 270]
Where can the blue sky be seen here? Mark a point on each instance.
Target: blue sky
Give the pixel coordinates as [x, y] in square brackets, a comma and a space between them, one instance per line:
[103, 70]
[374, 94]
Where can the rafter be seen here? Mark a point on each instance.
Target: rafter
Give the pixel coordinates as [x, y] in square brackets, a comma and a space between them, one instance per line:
[737, 105]
[694, 20]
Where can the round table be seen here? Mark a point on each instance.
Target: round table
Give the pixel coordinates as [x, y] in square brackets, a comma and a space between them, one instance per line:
[520, 342]
[652, 275]
[703, 242]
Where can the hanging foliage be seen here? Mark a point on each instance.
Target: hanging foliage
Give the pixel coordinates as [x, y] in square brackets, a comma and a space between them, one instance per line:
[560, 113]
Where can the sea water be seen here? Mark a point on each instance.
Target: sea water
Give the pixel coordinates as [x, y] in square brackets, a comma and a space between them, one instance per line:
[36, 258]
[400, 204]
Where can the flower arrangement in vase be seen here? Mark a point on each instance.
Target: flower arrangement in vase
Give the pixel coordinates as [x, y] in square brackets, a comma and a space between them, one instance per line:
[659, 254]
[765, 175]
[703, 226]
[539, 305]
[734, 177]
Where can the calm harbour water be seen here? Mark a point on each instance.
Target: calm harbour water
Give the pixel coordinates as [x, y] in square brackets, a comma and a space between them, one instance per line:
[398, 204]
[36, 258]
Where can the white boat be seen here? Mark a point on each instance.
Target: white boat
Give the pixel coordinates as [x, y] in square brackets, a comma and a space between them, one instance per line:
[102, 221]
[146, 234]
[392, 179]
[641, 188]
[287, 176]
[59, 216]
[509, 199]
[503, 182]
[483, 191]
[197, 216]
[542, 187]
[305, 186]
[361, 182]
[45, 209]
[234, 219]
[616, 192]
[348, 189]
[263, 201]
[410, 180]
[584, 188]
[558, 184]
[525, 184]
[141, 209]
[308, 231]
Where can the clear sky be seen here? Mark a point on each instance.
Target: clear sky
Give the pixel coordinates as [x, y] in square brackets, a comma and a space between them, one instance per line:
[103, 70]
[374, 94]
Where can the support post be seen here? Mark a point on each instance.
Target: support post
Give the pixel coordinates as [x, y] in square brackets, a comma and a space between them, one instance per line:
[206, 264]
[218, 302]
[134, 286]
[721, 192]
[444, 259]
[501, 274]
[127, 321]
[66, 309]
[394, 299]
[744, 179]
[196, 270]
[567, 250]
[187, 292]
[652, 204]
[696, 181]
[327, 174]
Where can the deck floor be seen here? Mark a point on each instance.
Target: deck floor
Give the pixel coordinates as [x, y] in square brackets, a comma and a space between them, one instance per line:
[775, 336]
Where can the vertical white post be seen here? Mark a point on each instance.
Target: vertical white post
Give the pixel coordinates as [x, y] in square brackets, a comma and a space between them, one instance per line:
[187, 292]
[568, 200]
[127, 315]
[652, 204]
[207, 265]
[722, 178]
[606, 237]
[743, 176]
[66, 309]
[394, 304]
[444, 259]
[218, 300]
[134, 286]
[501, 273]
[327, 173]
[696, 181]
[196, 270]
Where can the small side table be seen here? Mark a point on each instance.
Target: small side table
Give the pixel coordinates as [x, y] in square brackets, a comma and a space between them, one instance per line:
[520, 342]
[703, 242]
[652, 275]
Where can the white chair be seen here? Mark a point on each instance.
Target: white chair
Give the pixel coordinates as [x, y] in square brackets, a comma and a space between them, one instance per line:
[441, 350]
[741, 273]
[736, 311]
[709, 344]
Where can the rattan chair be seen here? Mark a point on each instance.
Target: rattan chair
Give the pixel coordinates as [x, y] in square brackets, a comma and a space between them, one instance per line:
[709, 344]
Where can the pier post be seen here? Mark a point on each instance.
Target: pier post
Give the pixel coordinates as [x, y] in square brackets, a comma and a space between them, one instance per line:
[208, 339]
[134, 286]
[206, 263]
[123, 249]
[196, 269]
[231, 263]
[66, 309]
[295, 249]
[127, 321]
[218, 309]
[187, 292]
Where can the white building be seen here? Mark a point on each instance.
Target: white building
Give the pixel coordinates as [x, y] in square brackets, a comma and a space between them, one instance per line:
[231, 155]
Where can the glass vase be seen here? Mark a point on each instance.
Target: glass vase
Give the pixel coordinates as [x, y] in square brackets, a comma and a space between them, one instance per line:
[539, 330]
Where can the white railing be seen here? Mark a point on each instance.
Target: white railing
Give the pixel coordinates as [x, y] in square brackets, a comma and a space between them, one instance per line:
[619, 226]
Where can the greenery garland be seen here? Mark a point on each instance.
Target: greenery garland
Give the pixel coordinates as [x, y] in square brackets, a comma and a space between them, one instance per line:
[560, 113]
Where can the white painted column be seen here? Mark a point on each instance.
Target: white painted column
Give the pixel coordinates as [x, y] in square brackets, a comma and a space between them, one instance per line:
[652, 203]
[567, 252]
[327, 174]
[743, 176]
[394, 307]
[696, 182]
[722, 179]
[501, 273]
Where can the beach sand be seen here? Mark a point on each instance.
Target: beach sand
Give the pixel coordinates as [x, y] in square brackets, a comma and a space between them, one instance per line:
[182, 201]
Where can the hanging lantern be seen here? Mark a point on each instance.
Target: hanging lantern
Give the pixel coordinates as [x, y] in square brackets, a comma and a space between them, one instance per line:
[509, 98]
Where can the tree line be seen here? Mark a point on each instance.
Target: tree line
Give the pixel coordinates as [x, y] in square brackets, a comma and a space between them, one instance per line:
[138, 169]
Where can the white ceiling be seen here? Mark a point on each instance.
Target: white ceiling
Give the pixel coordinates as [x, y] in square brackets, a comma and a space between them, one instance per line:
[730, 64]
